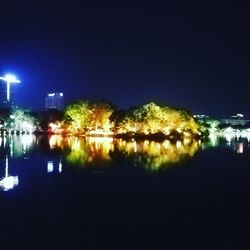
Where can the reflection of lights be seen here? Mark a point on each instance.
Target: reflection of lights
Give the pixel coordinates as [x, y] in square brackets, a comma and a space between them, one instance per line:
[240, 149]
[60, 167]
[155, 155]
[26, 141]
[229, 138]
[50, 167]
[213, 139]
[232, 137]
[8, 182]
[135, 147]
[101, 140]
[84, 150]
[96, 151]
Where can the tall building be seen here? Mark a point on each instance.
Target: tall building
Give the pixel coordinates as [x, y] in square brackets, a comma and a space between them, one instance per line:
[54, 101]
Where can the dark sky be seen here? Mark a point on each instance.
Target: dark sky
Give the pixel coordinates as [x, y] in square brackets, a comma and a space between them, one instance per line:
[192, 54]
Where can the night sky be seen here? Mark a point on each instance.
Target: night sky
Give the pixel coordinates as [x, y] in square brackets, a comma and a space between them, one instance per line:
[191, 54]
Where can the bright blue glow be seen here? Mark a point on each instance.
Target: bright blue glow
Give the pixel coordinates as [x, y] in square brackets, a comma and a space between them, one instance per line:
[10, 78]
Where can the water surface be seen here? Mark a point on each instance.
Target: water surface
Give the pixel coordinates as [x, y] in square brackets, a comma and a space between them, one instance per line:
[103, 193]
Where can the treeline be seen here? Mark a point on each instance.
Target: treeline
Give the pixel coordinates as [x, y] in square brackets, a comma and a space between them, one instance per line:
[103, 119]
[88, 118]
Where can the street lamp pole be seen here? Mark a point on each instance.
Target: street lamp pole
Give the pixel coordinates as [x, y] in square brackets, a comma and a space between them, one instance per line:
[9, 79]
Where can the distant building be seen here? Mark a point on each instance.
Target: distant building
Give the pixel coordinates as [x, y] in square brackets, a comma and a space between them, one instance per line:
[54, 101]
[201, 117]
[236, 120]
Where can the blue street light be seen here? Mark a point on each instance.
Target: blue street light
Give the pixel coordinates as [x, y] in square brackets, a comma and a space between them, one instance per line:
[9, 79]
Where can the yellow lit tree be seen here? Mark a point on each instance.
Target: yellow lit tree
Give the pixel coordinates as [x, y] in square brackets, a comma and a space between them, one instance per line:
[99, 118]
[88, 118]
[77, 117]
[153, 119]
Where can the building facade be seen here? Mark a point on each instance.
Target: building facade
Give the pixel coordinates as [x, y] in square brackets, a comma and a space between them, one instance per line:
[236, 120]
[54, 101]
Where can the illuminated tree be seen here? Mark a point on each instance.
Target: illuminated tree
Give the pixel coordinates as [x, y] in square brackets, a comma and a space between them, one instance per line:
[210, 125]
[85, 117]
[99, 118]
[21, 120]
[77, 117]
[153, 119]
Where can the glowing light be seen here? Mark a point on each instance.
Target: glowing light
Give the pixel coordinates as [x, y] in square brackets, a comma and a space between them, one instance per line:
[50, 167]
[60, 167]
[99, 132]
[240, 149]
[55, 141]
[155, 155]
[9, 79]
[55, 128]
[93, 151]
[8, 182]
[153, 119]
[52, 94]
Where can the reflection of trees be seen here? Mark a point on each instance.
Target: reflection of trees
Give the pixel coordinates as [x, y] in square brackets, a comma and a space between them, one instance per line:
[150, 154]
[236, 140]
[84, 151]
[156, 155]
[89, 151]
[17, 145]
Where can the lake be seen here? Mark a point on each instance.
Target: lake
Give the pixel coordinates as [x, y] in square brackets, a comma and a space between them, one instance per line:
[103, 193]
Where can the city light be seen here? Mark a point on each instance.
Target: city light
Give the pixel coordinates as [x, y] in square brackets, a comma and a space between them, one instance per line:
[9, 79]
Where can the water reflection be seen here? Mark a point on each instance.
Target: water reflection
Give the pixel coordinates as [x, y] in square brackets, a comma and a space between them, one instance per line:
[94, 152]
[102, 151]
[16, 146]
[11, 147]
[54, 166]
[84, 151]
[8, 182]
[238, 142]
[157, 155]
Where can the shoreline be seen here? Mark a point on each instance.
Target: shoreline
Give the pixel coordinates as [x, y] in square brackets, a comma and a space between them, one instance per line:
[127, 136]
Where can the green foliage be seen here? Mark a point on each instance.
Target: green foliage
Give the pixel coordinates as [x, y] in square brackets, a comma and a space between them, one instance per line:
[152, 118]
[77, 116]
[21, 120]
[210, 125]
[83, 116]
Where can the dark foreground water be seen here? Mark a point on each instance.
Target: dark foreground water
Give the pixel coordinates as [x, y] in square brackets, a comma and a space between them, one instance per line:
[97, 193]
